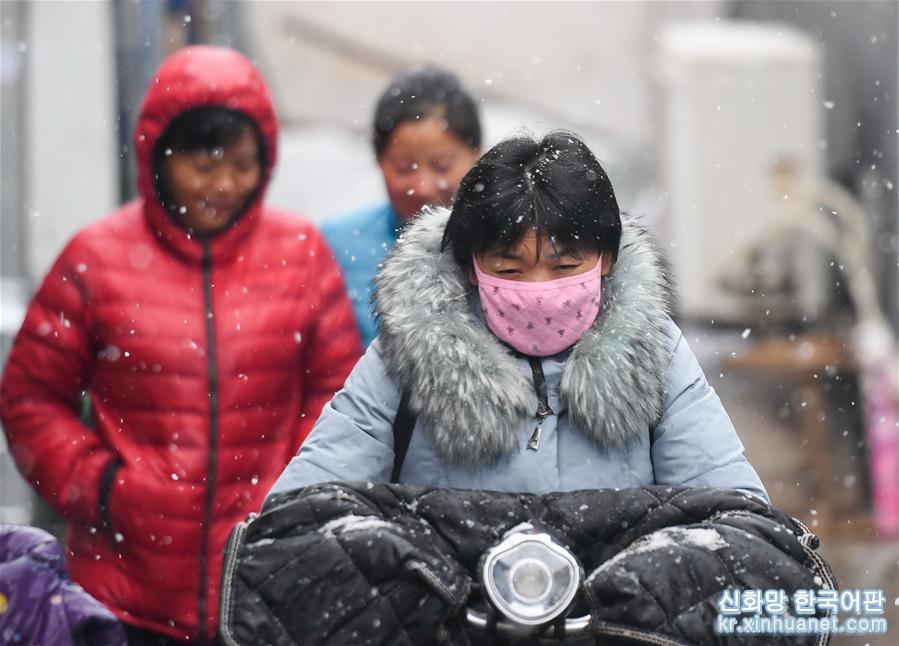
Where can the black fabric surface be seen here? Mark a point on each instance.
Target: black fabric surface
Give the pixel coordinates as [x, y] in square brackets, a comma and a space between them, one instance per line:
[356, 563]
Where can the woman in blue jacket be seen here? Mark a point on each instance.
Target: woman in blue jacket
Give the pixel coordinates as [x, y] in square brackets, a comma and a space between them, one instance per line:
[529, 330]
[426, 135]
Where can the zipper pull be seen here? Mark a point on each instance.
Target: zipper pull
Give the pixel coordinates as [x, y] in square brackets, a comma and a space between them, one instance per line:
[543, 408]
[534, 442]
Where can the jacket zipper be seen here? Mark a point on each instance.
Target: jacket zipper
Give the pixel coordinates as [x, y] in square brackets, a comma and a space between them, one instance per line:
[212, 389]
[543, 408]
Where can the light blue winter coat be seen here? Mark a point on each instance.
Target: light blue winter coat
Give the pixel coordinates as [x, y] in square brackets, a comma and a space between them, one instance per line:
[632, 406]
[360, 240]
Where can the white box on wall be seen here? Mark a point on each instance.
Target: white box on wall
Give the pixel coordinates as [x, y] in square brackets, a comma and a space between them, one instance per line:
[735, 99]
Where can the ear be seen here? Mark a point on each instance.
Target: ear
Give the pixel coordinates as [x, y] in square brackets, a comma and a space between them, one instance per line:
[606, 263]
[472, 277]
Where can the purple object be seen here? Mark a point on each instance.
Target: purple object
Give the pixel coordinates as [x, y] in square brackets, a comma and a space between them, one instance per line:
[39, 604]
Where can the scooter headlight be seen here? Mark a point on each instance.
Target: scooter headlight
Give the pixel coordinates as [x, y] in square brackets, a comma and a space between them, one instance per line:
[529, 577]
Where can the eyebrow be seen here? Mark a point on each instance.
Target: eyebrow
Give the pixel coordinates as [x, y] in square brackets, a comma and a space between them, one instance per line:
[508, 255]
[558, 252]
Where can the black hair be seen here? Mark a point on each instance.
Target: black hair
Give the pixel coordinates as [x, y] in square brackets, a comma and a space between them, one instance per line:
[206, 128]
[426, 92]
[202, 128]
[555, 186]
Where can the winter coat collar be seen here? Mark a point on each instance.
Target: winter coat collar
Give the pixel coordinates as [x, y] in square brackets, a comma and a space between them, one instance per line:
[193, 77]
[465, 385]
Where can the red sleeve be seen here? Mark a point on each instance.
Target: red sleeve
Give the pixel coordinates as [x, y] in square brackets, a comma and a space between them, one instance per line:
[40, 395]
[335, 346]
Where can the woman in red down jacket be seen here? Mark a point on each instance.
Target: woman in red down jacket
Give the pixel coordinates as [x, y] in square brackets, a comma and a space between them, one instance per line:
[207, 330]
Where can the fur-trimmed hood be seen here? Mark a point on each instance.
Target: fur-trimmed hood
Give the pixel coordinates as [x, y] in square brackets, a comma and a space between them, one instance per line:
[466, 386]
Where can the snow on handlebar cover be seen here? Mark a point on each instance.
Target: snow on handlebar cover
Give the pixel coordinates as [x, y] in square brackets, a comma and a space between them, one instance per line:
[340, 563]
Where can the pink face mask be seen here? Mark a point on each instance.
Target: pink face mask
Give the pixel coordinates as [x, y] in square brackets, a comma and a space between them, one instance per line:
[540, 318]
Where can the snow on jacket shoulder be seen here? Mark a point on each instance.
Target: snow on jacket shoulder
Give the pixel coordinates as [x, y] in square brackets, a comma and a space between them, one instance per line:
[632, 406]
[206, 362]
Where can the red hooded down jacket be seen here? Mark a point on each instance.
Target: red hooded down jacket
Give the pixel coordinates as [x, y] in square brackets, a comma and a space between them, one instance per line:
[206, 362]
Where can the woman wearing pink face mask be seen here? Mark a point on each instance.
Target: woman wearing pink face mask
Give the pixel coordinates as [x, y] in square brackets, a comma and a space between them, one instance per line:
[527, 334]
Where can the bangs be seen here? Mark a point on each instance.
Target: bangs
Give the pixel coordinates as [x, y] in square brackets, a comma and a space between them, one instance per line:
[564, 235]
[554, 187]
[206, 128]
[425, 93]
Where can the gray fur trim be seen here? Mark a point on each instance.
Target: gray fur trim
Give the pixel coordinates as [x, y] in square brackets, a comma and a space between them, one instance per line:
[465, 385]
[614, 377]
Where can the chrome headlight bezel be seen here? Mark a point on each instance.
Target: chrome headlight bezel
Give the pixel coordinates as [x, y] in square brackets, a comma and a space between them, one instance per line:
[545, 557]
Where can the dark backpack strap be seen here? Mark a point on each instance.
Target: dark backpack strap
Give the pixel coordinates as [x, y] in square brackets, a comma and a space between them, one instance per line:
[403, 425]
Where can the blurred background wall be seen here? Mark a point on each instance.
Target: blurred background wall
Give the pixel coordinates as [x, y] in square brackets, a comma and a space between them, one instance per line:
[593, 67]
[728, 125]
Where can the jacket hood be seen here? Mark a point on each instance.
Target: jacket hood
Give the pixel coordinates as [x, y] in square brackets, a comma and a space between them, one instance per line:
[194, 77]
[464, 383]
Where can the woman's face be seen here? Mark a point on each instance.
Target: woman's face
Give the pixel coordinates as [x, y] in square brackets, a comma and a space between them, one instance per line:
[423, 164]
[521, 263]
[209, 187]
